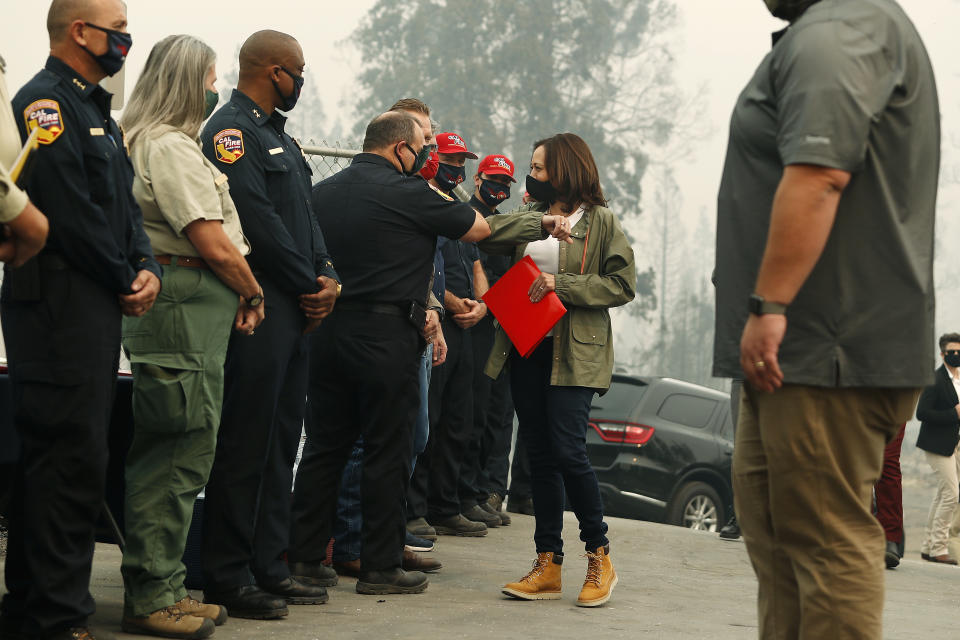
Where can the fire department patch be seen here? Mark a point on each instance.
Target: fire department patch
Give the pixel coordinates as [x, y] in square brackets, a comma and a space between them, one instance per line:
[45, 115]
[229, 145]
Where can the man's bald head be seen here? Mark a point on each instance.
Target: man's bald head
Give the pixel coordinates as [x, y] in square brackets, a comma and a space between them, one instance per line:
[389, 128]
[266, 48]
[64, 13]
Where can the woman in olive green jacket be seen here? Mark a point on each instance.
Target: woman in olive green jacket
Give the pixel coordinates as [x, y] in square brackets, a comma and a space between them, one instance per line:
[553, 388]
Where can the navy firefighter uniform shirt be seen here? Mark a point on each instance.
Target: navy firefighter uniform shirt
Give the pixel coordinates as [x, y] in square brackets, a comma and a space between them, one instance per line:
[382, 227]
[270, 184]
[81, 177]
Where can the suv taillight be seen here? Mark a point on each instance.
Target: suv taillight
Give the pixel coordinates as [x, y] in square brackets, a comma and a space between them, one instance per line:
[622, 432]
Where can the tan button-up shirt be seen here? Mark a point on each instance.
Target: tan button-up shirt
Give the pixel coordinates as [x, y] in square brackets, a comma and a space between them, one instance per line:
[176, 185]
[12, 198]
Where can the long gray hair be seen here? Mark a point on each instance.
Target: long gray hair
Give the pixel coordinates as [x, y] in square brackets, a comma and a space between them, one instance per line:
[170, 90]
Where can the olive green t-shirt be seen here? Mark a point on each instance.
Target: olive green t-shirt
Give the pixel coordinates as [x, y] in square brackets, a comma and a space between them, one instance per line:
[175, 185]
[847, 86]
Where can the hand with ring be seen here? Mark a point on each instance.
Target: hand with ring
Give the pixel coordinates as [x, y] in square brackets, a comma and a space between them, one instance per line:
[759, 348]
[543, 284]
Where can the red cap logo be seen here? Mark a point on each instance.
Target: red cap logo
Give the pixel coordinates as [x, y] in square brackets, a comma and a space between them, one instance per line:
[497, 165]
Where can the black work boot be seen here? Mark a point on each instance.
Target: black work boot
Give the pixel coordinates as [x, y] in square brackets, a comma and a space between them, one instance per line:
[296, 592]
[459, 526]
[518, 504]
[315, 573]
[731, 530]
[489, 508]
[248, 601]
[394, 580]
[478, 514]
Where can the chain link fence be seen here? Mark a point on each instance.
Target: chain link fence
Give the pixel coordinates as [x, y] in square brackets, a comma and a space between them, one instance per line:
[327, 158]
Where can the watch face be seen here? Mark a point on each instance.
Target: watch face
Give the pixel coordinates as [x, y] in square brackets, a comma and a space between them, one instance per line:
[255, 301]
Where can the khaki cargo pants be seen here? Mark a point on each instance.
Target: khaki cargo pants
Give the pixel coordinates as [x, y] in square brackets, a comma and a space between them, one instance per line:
[804, 465]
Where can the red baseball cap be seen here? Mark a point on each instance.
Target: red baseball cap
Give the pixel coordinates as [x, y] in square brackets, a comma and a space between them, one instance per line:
[497, 165]
[453, 143]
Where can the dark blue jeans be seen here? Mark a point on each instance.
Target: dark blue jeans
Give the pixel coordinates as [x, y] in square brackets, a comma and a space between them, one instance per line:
[553, 426]
[348, 525]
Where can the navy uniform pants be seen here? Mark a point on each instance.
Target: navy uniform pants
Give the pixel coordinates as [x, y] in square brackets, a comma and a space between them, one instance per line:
[246, 518]
[63, 349]
[363, 382]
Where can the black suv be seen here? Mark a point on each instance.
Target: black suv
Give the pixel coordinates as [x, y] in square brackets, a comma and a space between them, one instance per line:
[662, 450]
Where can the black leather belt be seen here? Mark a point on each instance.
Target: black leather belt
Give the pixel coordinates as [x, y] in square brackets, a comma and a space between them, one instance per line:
[371, 307]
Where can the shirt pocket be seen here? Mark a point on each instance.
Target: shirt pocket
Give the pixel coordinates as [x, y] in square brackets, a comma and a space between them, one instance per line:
[279, 185]
[98, 160]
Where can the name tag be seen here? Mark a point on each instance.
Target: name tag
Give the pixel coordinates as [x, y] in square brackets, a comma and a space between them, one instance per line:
[220, 179]
[276, 150]
[96, 131]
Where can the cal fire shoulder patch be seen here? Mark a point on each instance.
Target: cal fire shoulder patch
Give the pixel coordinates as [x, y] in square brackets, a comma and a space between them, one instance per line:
[440, 193]
[228, 145]
[45, 115]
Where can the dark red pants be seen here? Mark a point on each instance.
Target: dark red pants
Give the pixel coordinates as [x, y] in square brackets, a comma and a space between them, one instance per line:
[890, 491]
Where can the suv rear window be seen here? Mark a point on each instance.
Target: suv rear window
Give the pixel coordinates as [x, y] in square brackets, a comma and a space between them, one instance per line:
[620, 401]
[686, 409]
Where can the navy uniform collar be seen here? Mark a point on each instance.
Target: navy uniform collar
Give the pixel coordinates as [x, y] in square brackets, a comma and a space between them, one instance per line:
[373, 158]
[88, 90]
[255, 112]
[481, 206]
[83, 86]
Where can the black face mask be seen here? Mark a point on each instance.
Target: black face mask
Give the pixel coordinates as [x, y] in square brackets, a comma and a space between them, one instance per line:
[952, 360]
[493, 193]
[788, 10]
[118, 46]
[541, 190]
[289, 102]
[449, 176]
[420, 158]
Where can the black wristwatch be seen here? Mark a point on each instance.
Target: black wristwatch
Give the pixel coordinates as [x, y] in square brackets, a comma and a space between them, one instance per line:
[254, 301]
[758, 306]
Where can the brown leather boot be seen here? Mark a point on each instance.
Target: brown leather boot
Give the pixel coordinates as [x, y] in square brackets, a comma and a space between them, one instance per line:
[169, 622]
[601, 579]
[543, 581]
[214, 612]
[413, 561]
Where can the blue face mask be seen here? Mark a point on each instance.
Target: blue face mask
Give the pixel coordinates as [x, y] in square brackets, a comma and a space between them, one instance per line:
[449, 176]
[493, 193]
[289, 102]
[118, 46]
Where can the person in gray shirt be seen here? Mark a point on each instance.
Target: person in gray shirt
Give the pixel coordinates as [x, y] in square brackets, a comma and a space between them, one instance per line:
[825, 299]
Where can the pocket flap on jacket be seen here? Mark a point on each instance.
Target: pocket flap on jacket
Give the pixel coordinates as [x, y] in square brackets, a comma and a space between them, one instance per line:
[588, 334]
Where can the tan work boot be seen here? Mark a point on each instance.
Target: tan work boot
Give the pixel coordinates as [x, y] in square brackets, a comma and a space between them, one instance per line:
[169, 622]
[601, 579]
[543, 581]
[191, 607]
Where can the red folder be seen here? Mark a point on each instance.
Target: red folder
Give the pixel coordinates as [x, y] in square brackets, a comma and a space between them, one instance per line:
[525, 322]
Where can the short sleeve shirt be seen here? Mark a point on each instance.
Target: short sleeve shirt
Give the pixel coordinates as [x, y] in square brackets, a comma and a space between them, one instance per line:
[176, 185]
[458, 259]
[381, 229]
[847, 86]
